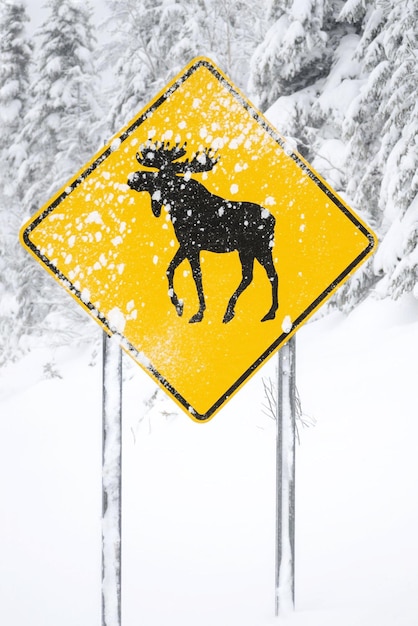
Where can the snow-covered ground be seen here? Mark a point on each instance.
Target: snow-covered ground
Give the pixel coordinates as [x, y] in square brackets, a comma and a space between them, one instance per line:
[198, 499]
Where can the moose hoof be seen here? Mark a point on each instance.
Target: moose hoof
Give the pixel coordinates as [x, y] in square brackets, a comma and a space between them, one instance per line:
[269, 316]
[197, 317]
[228, 316]
[179, 308]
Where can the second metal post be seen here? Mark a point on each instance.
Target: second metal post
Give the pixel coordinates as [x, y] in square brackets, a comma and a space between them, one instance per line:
[285, 479]
[111, 482]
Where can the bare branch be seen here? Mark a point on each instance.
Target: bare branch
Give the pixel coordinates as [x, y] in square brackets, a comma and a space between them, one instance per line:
[270, 407]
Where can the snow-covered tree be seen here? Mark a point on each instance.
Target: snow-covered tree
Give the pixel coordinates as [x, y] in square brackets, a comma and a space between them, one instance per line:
[294, 52]
[302, 50]
[144, 37]
[397, 157]
[382, 134]
[227, 31]
[353, 115]
[64, 95]
[15, 56]
[154, 39]
[56, 136]
[354, 11]
[363, 120]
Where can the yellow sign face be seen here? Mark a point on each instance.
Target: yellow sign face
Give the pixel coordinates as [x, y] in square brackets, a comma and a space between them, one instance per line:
[199, 238]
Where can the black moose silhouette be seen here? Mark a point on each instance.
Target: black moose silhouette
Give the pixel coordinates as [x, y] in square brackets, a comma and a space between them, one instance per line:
[204, 221]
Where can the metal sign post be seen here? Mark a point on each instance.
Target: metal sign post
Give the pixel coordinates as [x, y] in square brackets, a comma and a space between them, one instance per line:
[111, 482]
[285, 479]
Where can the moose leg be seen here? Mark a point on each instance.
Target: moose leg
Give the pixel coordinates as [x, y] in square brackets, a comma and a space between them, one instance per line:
[266, 260]
[174, 263]
[247, 263]
[197, 276]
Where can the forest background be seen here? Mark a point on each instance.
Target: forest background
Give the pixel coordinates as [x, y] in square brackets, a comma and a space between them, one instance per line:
[337, 77]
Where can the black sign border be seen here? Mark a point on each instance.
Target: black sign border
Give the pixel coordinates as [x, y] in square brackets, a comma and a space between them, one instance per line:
[200, 62]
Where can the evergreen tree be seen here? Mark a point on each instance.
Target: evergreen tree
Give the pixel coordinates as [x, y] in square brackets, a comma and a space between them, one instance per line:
[380, 130]
[294, 52]
[64, 101]
[145, 37]
[396, 160]
[56, 133]
[293, 66]
[363, 120]
[154, 39]
[353, 116]
[15, 55]
[226, 31]
[354, 11]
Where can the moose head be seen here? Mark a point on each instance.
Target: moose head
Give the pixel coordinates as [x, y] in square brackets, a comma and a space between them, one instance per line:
[164, 158]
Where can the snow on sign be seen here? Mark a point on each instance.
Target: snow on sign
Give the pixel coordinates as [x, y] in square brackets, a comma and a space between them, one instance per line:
[199, 238]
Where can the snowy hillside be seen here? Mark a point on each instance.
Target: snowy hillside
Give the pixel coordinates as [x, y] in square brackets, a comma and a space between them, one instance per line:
[198, 499]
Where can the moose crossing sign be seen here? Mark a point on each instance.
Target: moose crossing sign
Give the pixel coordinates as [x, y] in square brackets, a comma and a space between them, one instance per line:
[199, 238]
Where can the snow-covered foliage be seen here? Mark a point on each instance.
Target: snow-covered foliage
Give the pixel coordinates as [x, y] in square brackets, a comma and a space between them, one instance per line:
[388, 184]
[15, 58]
[353, 115]
[298, 48]
[64, 101]
[153, 40]
[48, 108]
[145, 46]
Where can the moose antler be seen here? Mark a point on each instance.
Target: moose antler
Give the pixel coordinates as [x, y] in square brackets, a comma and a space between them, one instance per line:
[159, 154]
[202, 161]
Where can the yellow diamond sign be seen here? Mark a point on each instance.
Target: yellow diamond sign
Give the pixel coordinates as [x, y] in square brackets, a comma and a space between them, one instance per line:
[199, 238]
